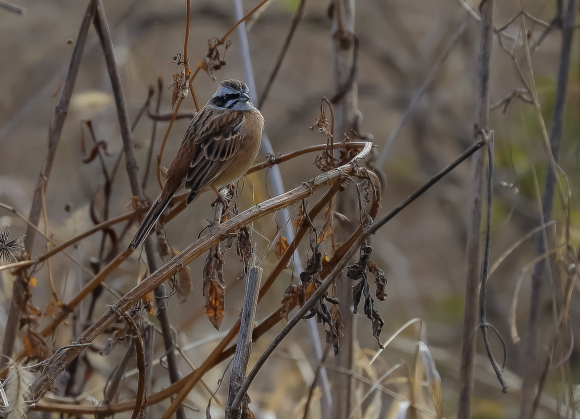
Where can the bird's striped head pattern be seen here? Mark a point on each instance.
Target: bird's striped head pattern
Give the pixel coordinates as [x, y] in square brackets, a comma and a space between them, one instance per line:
[232, 94]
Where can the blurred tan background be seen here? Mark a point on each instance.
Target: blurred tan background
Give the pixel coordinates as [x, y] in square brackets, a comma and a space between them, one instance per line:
[422, 250]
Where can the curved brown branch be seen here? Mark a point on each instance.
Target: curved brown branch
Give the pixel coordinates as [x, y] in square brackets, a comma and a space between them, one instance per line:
[63, 358]
[140, 351]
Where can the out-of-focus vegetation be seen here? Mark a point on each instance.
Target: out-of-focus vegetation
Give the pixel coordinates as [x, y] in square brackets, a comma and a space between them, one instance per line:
[422, 251]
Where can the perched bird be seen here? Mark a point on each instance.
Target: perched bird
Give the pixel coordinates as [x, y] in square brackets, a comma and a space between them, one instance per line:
[218, 148]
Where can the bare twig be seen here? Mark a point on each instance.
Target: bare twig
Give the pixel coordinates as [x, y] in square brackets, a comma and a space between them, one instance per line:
[140, 352]
[315, 382]
[102, 28]
[411, 198]
[473, 239]
[54, 132]
[297, 16]
[244, 345]
[12, 8]
[344, 46]
[420, 92]
[483, 324]
[149, 338]
[166, 117]
[530, 377]
[153, 132]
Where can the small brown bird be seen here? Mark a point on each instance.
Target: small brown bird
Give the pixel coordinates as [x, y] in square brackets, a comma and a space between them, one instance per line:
[218, 148]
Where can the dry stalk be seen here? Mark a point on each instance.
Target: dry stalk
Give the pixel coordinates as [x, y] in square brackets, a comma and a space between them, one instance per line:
[102, 28]
[530, 377]
[475, 213]
[62, 358]
[244, 345]
[54, 132]
[219, 354]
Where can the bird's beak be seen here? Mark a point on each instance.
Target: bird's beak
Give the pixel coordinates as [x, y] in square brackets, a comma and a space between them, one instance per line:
[244, 97]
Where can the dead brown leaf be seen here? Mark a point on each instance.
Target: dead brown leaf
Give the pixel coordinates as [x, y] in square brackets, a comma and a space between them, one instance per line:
[184, 285]
[213, 287]
[380, 280]
[35, 346]
[281, 246]
[293, 296]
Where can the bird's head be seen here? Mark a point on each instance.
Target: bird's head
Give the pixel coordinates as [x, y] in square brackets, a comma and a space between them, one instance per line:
[232, 94]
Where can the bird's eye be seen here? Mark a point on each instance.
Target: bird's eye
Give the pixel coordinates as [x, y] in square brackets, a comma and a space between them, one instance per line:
[219, 101]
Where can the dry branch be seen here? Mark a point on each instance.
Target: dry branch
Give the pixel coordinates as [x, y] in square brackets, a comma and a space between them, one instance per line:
[54, 132]
[102, 27]
[244, 345]
[219, 354]
[475, 210]
[530, 376]
[62, 358]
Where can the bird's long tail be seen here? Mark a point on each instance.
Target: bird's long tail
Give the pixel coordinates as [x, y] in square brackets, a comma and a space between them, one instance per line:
[150, 219]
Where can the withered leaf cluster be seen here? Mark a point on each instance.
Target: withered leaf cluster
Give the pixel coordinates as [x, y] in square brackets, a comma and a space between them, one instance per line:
[213, 287]
[213, 60]
[357, 272]
[310, 279]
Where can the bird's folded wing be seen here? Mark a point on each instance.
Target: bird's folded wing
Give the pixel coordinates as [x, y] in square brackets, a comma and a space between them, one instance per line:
[216, 142]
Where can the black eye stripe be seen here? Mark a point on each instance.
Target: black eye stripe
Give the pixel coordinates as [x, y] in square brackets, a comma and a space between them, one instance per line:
[224, 101]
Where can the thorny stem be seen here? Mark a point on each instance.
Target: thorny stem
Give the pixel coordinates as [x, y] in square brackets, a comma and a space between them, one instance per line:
[474, 272]
[102, 28]
[54, 132]
[530, 374]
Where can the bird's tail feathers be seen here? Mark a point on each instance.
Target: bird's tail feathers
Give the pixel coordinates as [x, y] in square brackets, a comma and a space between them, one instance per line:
[149, 221]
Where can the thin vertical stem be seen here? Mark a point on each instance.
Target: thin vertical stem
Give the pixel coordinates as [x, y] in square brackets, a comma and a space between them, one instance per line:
[346, 107]
[530, 376]
[470, 315]
[54, 132]
[102, 28]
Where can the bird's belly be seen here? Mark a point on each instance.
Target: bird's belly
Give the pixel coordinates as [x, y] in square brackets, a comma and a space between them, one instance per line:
[240, 163]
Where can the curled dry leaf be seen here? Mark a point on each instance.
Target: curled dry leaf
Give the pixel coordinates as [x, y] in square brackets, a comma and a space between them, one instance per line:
[293, 296]
[35, 346]
[302, 215]
[357, 272]
[281, 246]
[380, 280]
[184, 285]
[102, 145]
[327, 227]
[213, 60]
[311, 280]
[213, 287]
[148, 304]
[178, 86]
[246, 412]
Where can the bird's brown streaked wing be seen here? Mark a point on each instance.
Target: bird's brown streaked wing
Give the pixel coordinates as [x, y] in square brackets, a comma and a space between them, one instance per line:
[214, 148]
